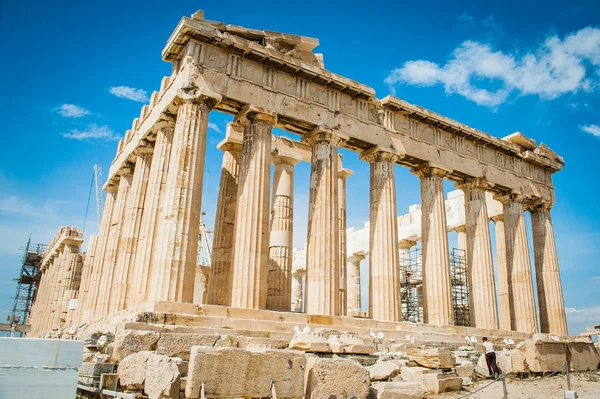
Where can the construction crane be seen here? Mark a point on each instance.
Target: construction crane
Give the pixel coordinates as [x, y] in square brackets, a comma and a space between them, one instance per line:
[99, 192]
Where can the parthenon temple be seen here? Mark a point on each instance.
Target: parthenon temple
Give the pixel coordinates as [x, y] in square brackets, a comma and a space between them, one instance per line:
[142, 266]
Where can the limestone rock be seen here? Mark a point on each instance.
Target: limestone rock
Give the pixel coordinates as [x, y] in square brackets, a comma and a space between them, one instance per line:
[273, 343]
[133, 342]
[234, 372]
[354, 344]
[414, 374]
[229, 341]
[336, 379]
[584, 356]
[398, 390]
[163, 377]
[381, 371]
[438, 383]
[539, 356]
[433, 358]
[178, 345]
[132, 370]
[464, 370]
[310, 342]
[335, 344]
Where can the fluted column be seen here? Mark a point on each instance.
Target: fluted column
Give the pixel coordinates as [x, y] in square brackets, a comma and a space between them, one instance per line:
[437, 286]
[251, 245]
[108, 283]
[322, 253]
[221, 272]
[297, 276]
[343, 174]
[175, 264]
[354, 293]
[279, 281]
[132, 217]
[404, 247]
[384, 295]
[58, 291]
[520, 282]
[94, 304]
[461, 243]
[482, 287]
[547, 275]
[503, 291]
[83, 299]
[147, 247]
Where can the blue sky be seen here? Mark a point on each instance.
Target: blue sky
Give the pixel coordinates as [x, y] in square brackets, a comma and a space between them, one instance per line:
[76, 73]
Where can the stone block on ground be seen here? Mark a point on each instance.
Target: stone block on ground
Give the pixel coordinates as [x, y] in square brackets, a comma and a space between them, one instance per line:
[433, 358]
[163, 377]
[310, 342]
[132, 370]
[381, 371]
[229, 341]
[336, 379]
[438, 383]
[178, 345]
[262, 342]
[583, 356]
[235, 372]
[413, 374]
[397, 390]
[353, 343]
[132, 342]
[96, 369]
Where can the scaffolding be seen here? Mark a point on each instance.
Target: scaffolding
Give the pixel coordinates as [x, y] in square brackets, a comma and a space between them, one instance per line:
[205, 243]
[411, 286]
[460, 287]
[26, 283]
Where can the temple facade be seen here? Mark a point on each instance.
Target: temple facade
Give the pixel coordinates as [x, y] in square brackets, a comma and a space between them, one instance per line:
[146, 249]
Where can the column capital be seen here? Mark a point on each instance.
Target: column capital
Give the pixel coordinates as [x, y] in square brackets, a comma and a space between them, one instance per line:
[536, 204]
[280, 159]
[298, 272]
[344, 173]
[253, 113]
[144, 147]
[126, 169]
[406, 244]
[380, 154]
[498, 218]
[356, 257]
[428, 169]
[474, 182]
[461, 229]
[321, 133]
[197, 95]
[511, 196]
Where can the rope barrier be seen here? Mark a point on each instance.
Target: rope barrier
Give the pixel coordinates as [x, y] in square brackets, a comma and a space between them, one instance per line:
[552, 374]
[482, 388]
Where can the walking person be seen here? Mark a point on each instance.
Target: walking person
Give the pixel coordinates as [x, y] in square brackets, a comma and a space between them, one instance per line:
[490, 358]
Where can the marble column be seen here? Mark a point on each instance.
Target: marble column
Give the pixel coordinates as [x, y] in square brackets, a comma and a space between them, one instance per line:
[83, 300]
[108, 283]
[251, 244]
[101, 245]
[384, 296]
[343, 174]
[503, 291]
[279, 281]
[547, 275]
[145, 272]
[322, 252]
[520, 281]
[404, 247]
[132, 218]
[175, 263]
[58, 290]
[297, 291]
[480, 264]
[354, 293]
[437, 285]
[461, 243]
[221, 272]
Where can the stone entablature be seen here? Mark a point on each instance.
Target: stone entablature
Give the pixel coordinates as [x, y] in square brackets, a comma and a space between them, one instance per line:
[65, 235]
[232, 65]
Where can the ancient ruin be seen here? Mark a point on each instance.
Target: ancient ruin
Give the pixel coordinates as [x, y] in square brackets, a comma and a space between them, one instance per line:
[290, 322]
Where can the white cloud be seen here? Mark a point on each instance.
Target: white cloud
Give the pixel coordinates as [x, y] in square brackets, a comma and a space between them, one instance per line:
[14, 205]
[591, 129]
[464, 17]
[71, 111]
[130, 93]
[214, 127]
[587, 316]
[92, 132]
[555, 68]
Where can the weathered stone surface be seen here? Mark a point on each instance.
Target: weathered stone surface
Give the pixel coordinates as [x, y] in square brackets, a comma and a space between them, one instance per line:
[95, 369]
[437, 383]
[336, 379]
[233, 372]
[464, 370]
[539, 356]
[397, 390]
[178, 345]
[133, 342]
[310, 342]
[381, 371]
[132, 370]
[352, 343]
[584, 356]
[433, 358]
[163, 377]
[414, 374]
[229, 341]
[273, 343]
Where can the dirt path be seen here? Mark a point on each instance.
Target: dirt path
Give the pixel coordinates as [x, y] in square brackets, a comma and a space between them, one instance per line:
[547, 388]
